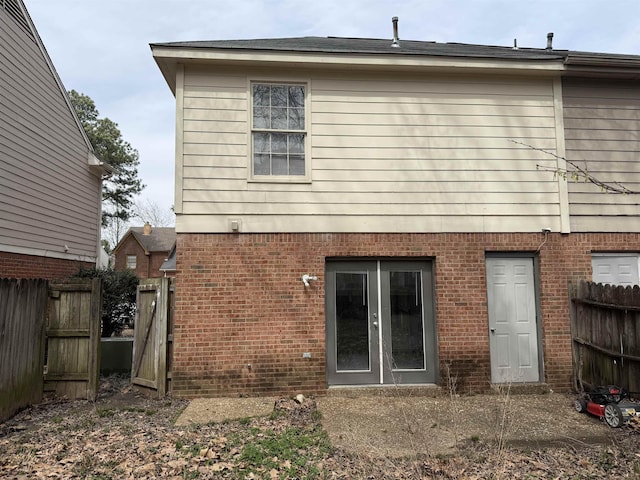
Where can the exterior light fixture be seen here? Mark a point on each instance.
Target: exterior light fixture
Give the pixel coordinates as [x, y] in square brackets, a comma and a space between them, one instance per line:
[306, 278]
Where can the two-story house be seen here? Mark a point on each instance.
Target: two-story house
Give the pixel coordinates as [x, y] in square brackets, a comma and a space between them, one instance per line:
[144, 250]
[50, 181]
[390, 212]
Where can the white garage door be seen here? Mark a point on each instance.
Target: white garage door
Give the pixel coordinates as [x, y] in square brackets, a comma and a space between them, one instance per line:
[618, 269]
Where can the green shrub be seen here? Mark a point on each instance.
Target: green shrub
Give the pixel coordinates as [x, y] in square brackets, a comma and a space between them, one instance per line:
[118, 297]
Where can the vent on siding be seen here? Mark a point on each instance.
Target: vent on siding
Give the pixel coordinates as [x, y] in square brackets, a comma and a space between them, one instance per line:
[13, 8]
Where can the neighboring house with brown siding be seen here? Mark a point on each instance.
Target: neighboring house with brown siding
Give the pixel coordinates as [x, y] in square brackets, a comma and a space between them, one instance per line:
[144, 250]
[50, 179]
[352, 212]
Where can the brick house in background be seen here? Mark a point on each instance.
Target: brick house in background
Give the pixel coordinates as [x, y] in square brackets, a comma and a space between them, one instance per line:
[51, 181]
[368, 212]
[144, 250]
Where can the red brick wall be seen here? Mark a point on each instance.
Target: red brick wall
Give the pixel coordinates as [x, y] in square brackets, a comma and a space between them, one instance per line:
[147, 266]
[13, 265]
[131, 247]
[156, 261]
[240, 301]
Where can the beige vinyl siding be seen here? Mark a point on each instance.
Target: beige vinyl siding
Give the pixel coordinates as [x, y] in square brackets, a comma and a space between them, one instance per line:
[49, 198]
[215, 133]
[407, 154]
[602, 123]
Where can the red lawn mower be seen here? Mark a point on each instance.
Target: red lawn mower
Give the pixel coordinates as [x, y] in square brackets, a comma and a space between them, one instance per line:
[611, 403]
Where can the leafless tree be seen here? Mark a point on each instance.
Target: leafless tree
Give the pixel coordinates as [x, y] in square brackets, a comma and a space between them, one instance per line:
[143, 210]
[146, 210]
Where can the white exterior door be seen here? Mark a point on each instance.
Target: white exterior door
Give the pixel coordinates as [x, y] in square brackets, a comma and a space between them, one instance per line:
[618, 269]
[513, 329]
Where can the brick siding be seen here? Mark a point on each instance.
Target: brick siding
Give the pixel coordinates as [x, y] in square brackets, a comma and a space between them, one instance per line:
[13, 265]
[147, 266]
[240, 302]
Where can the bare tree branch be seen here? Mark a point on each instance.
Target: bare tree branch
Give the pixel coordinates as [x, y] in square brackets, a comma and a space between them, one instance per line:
[579, 173]
[149, 211]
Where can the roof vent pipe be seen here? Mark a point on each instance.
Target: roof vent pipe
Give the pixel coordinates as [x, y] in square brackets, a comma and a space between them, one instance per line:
[515, 44]
[550, 41]
[395, 42]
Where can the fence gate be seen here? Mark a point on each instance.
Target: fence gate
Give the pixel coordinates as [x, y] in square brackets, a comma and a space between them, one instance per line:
[152, 338]
[73, 338]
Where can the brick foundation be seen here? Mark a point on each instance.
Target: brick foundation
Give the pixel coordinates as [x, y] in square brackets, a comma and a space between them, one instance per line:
[13, 265]
[240, 302]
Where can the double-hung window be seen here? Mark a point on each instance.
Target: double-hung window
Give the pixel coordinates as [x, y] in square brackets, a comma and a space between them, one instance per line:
[278, 130]
[131, 262]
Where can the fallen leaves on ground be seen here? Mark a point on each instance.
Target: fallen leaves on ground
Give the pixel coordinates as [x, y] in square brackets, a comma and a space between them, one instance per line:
[124, 435]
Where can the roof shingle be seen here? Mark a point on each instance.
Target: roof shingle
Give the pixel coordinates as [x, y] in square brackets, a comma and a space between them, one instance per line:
[161, 239]
[373, 46]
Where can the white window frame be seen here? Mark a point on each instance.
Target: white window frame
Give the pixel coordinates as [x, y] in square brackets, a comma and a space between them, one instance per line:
[135, 262]
[306, 178]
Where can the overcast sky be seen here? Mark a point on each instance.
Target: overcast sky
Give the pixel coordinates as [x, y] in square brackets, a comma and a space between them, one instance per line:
[101, 47]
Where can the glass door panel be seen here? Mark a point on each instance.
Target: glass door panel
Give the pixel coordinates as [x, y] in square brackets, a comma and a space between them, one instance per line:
[352, 334]
[407, 332]
[408, 326]
[352, 321]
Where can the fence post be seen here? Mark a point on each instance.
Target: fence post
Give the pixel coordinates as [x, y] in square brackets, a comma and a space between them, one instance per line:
[575, 351]
[161, 352]
[95, 332]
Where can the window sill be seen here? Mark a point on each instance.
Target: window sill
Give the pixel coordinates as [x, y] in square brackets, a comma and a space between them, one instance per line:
[279, 179]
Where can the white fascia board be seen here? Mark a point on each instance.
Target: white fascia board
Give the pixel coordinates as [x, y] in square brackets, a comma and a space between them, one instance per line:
[99, 166]
[166, 55]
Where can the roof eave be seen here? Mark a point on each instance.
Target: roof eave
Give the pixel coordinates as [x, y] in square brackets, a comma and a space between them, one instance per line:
[101, 168]
[122, 241]
[167, 57]
[619, 66]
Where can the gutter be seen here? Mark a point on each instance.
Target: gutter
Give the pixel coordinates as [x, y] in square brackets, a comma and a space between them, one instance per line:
[595, 60]
[100, 167]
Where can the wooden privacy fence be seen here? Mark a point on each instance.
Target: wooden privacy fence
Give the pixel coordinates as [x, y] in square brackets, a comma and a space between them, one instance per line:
[49, 340]
[23, 307]
[605, 326]
[152, 338]
[73, 338]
